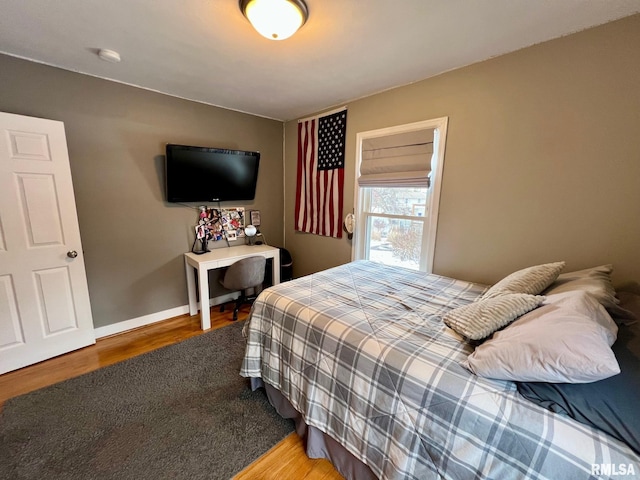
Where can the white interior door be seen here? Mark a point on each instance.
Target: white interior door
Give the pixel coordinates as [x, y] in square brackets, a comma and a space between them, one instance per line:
[44, 299]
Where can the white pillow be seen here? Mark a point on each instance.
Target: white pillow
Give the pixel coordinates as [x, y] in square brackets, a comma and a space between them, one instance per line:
[478, 320]
[531, 280]
[566, 340]
[596, 281]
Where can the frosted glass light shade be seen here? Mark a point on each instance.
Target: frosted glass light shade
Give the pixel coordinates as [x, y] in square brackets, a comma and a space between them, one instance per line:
[250, 231]
[275, 19]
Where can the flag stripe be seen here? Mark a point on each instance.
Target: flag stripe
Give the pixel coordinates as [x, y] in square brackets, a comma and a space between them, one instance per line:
[320, 177]
[300, 190]
[328, 202]
[305, 180]
[311, 166]
[311, 155]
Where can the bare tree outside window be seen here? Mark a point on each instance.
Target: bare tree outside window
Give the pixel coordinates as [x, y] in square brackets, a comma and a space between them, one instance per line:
[396, 238]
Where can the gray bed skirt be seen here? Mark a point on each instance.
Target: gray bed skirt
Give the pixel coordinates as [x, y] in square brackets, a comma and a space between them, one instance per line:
[317, 443]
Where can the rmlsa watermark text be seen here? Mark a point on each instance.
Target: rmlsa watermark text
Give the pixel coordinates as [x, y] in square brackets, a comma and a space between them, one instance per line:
[613, 469]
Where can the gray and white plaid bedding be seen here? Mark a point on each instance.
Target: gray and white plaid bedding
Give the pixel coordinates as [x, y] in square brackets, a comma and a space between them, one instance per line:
[361, 351]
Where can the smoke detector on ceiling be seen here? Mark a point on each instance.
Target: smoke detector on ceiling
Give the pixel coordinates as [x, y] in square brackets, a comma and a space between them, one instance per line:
[109, 55]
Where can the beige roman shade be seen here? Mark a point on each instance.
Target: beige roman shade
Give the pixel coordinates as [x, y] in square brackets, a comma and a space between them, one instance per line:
[403, 159]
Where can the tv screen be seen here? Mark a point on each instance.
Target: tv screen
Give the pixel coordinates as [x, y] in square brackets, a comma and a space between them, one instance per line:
[205, 174]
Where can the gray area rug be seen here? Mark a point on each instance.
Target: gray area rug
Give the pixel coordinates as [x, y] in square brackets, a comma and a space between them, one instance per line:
[180, 412]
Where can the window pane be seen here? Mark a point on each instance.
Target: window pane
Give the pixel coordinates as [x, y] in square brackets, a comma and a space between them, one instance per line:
[395, 242]
[398, 201]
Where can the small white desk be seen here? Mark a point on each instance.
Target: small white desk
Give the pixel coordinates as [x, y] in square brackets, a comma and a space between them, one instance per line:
[219, 258]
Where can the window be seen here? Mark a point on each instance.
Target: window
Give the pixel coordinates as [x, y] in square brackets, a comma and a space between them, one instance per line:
[395, 225]
[399, 172]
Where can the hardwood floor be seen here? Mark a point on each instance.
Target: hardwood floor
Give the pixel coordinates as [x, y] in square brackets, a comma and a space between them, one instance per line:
[285, 460]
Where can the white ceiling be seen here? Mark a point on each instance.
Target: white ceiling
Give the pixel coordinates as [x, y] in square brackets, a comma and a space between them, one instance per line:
[205, 50]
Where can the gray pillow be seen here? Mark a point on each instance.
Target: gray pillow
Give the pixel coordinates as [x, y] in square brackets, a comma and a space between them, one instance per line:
[628, 311]
[596, 281]
[531, 280]
[566, 340]
[480, 319]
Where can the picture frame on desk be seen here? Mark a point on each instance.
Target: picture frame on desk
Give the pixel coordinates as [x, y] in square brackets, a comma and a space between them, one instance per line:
[255, 218]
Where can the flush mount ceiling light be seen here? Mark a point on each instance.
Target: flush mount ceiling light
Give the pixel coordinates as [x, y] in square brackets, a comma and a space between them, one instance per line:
[275, 19]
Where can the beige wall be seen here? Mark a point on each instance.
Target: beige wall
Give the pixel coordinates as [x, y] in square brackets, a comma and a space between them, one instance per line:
[542, 163]
[542, 159]
[133, 240]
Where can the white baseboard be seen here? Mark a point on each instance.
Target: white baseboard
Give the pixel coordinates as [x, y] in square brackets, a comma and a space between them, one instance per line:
[126, 325]
[140, 321]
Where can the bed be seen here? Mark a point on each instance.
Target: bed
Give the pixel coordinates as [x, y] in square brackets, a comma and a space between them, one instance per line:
[360, 356]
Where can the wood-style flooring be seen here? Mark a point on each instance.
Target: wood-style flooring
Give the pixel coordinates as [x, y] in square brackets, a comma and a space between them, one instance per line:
[286, 460]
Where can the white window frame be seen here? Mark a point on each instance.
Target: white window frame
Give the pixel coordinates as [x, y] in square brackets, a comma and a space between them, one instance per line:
[360, 244]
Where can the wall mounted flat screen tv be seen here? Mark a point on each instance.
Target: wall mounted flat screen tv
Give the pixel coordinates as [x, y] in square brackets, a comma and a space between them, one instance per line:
[206, 174]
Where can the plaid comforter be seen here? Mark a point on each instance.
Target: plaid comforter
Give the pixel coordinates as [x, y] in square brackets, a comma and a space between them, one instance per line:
[361, 351]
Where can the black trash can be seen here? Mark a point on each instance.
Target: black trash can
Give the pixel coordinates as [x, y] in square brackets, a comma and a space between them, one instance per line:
[286, 265]
[286, 268]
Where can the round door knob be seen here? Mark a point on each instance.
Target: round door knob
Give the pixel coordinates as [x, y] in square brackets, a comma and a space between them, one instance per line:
[72, 254]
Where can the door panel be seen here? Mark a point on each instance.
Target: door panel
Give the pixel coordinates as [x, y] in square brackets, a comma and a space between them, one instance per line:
[40, 209]
[28, 146]
[10, 331]
[56, 301]
[2, 243]
[44, 297]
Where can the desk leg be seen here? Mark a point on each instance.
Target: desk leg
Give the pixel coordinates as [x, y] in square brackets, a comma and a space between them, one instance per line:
[203, 281]
[191, 288]
[276, 269]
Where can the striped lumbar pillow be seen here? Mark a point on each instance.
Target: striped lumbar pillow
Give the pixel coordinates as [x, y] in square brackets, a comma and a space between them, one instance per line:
[478, 320]
[531, 280]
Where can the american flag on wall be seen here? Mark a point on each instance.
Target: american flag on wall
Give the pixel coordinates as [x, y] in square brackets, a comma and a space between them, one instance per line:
[320, 181]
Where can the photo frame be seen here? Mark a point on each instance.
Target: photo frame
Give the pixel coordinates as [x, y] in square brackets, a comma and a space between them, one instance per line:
[233, 223]
[255, 218]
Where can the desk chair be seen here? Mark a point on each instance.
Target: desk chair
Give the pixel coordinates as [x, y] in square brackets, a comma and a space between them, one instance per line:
[242, 275]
